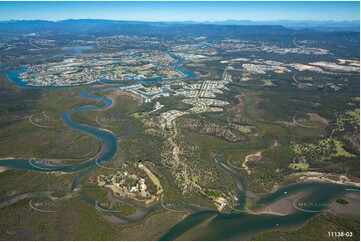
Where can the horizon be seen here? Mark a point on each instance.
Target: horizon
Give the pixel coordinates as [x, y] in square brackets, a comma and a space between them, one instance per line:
[182, 11]
[180, 21]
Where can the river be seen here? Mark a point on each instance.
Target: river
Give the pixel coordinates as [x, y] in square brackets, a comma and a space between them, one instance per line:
[211, 225]
[202, 223]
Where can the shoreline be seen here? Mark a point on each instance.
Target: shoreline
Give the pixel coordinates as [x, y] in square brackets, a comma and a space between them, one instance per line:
[4, 168]
[312, 176]
[283, 206]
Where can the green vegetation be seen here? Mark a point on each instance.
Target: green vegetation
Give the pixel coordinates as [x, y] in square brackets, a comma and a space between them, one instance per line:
[100, 195]
[270, 127]
[317, 228]
[322, 151]
[19, 181]
[115, 118]
[211, 193]
[341, 201]
[299, 166]
[94, 226]
[21, 138]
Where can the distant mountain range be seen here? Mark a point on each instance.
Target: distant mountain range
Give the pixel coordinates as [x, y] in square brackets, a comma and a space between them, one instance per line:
[179, 27]
[353, 25]
[296, 24]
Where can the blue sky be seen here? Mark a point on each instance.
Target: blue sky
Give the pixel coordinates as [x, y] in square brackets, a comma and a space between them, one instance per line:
[180, 11]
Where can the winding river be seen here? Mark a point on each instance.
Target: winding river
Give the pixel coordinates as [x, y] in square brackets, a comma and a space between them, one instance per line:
[202, 223]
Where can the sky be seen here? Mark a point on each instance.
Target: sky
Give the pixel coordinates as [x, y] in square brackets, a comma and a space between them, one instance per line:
[181, 11]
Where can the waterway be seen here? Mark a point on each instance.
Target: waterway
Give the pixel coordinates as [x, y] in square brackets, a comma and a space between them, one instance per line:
[212, 225]
[201, 224]
[77, 50]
